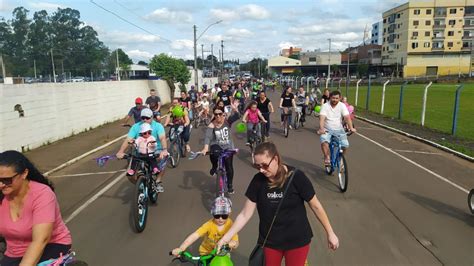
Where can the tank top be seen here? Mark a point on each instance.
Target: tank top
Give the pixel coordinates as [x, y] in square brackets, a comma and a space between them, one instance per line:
[263, 107]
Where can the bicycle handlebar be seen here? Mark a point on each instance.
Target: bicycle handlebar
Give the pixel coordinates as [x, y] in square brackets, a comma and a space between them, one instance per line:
[225, 153]
[185, 256]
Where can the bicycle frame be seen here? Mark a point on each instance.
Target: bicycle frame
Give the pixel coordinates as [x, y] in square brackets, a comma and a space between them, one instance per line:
[221, 172]
[335, 149]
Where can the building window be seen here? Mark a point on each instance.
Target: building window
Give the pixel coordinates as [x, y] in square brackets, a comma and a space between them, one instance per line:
[452, 22]
[415, 34]
[450, 33]
[384, 20]
[398, 15]
[384, 30]
[398, 46]
[450, 44]
[428, 11]
[398, 26]
[438, 45]
[427, 33]
[465, 45]
[426, 45]
[414, 45]
[287, 62]
[428, 23]
[416, 11]
[416, 23]
[383, 49]
[452, 11]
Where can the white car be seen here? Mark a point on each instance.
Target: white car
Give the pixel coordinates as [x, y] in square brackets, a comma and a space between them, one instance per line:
[78, 79]
[247, 76]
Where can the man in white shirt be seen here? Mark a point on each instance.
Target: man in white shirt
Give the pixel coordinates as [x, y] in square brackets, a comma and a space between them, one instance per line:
[330, 124]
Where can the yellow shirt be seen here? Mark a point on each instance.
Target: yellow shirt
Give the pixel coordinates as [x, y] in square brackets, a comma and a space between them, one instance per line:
[211, 235]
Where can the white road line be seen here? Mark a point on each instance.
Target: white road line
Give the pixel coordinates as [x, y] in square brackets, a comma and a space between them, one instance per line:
[84, 174]
[93, 198]
[416, 164]
[420, 152]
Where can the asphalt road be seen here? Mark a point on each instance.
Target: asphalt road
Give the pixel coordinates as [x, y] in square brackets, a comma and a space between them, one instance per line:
[397, 210]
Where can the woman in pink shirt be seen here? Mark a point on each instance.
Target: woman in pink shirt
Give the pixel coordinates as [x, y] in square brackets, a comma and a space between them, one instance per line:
[30, 220]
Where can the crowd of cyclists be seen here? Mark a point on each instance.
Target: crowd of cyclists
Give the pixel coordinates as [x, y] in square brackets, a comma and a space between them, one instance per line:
[45, 235]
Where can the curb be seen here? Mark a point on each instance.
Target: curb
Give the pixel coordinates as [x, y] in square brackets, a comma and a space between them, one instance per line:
[83, 155]
[429, 142]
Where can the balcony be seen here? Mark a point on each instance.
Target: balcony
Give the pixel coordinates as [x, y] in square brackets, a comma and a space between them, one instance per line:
[439, 26]
[438, 37]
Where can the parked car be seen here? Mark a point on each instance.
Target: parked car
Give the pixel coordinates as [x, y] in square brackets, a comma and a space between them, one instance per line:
[78, 79]
[246, 76]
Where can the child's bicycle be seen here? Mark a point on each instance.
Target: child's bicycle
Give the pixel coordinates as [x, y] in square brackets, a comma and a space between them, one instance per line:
[221, 258]
[254, 138]
[145, 186]
[176, 148]
[221, 175]
[338, 162]
[63, 260]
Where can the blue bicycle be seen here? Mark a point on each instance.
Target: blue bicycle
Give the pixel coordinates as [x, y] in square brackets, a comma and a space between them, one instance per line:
[338, 163]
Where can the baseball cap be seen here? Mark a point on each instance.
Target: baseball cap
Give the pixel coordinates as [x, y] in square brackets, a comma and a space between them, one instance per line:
[139, 100]
[147, 112]
[145, 127]
[221, 205]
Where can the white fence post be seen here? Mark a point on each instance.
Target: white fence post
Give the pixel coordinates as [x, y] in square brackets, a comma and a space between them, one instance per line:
[357, 91]
[307, 83]
[383, 96]
[425, 96]
[327, 82]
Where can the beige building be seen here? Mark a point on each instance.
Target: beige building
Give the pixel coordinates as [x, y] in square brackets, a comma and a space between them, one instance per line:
[320, 58]
[282, 65]
[429, 37]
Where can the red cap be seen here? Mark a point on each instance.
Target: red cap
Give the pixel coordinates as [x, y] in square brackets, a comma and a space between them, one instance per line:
[139, 100]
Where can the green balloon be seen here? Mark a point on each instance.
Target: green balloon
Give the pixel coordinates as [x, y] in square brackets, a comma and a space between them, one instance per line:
[238, 94]
[317, 108]
[177, 111]
[241, 127]
[221, 261]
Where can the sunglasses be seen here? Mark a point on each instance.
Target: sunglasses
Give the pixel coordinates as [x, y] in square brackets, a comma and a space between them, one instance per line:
[219, 114]
[263, 166]
[8, 180]
[223, 216]
[146, 133]
[145, 118]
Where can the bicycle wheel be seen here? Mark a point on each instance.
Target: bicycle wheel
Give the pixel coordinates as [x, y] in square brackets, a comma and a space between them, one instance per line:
[140, 204]
[286, 127]
[152, 194]
[219, 183]
[470, 200]
[342, 173]
[175, 154]
[297, 120]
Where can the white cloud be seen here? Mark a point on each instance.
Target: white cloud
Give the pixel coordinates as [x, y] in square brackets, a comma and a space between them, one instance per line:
[164, 15]
[121, 38]
[138, 54]
[182, 44]
[250, 12]
[5, 6]
[239, 33]
[45, 5]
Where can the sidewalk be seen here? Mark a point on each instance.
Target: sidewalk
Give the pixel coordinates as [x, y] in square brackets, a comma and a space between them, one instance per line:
[52, 155]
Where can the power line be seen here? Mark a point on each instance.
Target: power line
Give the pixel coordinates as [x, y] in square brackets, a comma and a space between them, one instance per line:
[129, 22]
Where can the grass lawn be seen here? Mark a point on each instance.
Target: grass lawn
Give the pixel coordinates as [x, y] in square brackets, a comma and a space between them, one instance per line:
[439, 107]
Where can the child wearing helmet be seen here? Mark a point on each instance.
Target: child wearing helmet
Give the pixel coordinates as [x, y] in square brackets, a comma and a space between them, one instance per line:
[146, 144]
[212, 230]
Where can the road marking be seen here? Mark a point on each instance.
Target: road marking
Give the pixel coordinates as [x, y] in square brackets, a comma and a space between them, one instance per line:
[93, 198]
[83, 155]
[416, 164]
[420, 152]
[85, 174]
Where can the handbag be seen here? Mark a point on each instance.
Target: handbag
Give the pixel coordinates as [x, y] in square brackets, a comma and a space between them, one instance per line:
[257, 257]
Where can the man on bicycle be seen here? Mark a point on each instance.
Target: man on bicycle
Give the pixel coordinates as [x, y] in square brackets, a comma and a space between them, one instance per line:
[330, 124]
[226, 96]
[302, 100]
[158, 132]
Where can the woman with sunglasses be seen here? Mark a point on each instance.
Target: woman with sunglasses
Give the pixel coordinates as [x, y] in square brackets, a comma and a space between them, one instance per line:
[30, 219]
[291, 232]
[218, 138]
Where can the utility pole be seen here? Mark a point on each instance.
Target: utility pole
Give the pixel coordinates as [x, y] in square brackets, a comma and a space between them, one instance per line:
[54, 70]
[222, 57]
[329, 61]
[348, 60]
[34, 67]
[118, 65]
[195, 59]
[3, 67]
[212, 59]
[62, 68]
[202, 51]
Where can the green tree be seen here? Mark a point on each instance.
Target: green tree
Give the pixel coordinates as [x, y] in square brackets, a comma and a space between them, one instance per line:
[18, 41]
[362, 70]
[40, 42]
[170, 69]
[142, 63]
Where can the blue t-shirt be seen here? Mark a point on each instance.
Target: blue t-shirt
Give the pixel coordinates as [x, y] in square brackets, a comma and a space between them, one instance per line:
[135, 113]
[157, 130]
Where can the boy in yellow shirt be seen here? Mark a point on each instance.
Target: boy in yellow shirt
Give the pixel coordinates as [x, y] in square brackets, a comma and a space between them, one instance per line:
[213, 230]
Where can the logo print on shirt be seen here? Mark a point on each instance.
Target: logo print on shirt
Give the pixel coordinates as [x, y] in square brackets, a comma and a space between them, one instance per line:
[275, 195]
[222, 135]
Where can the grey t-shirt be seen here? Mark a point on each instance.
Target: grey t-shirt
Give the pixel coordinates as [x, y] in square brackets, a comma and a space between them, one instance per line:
[221, 135]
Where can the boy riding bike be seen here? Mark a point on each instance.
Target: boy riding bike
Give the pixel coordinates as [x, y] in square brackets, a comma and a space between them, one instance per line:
[213, 230]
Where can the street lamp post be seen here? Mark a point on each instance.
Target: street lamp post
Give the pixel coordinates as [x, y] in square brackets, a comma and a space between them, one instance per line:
[329, 61]
[196, 85]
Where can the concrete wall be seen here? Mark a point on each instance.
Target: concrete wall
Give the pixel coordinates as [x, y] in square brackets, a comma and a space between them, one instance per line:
[55, 111]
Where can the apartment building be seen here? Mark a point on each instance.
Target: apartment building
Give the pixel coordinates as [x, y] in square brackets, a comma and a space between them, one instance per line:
[377, 33]
[429, 37]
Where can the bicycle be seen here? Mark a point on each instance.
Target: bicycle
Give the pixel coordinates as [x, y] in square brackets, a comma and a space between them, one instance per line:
[221, 175]
[298, 116]
[338, 163]
[63, 260]
[145, 186]
[201, 117]
[286, 125]
[176, 149]
[221, 258]
[470, 200]
[254, 138]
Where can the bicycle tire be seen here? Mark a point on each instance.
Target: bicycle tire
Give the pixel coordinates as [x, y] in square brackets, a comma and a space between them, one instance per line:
[140, 205]
[219, 190]
[153, 195]
[342, 173]
[297, 120]
[174, 155]
[470, 201]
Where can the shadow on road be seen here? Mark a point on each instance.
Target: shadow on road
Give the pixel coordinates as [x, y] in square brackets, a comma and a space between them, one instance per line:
[440, 207]
[203, 182]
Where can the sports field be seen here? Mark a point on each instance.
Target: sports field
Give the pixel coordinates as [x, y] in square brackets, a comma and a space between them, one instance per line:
[439, 107]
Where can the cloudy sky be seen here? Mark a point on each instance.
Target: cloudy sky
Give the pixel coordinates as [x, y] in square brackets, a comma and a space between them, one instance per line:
[249, 28]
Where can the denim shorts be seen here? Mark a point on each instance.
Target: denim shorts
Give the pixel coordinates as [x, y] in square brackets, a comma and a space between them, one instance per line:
[340, 133]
